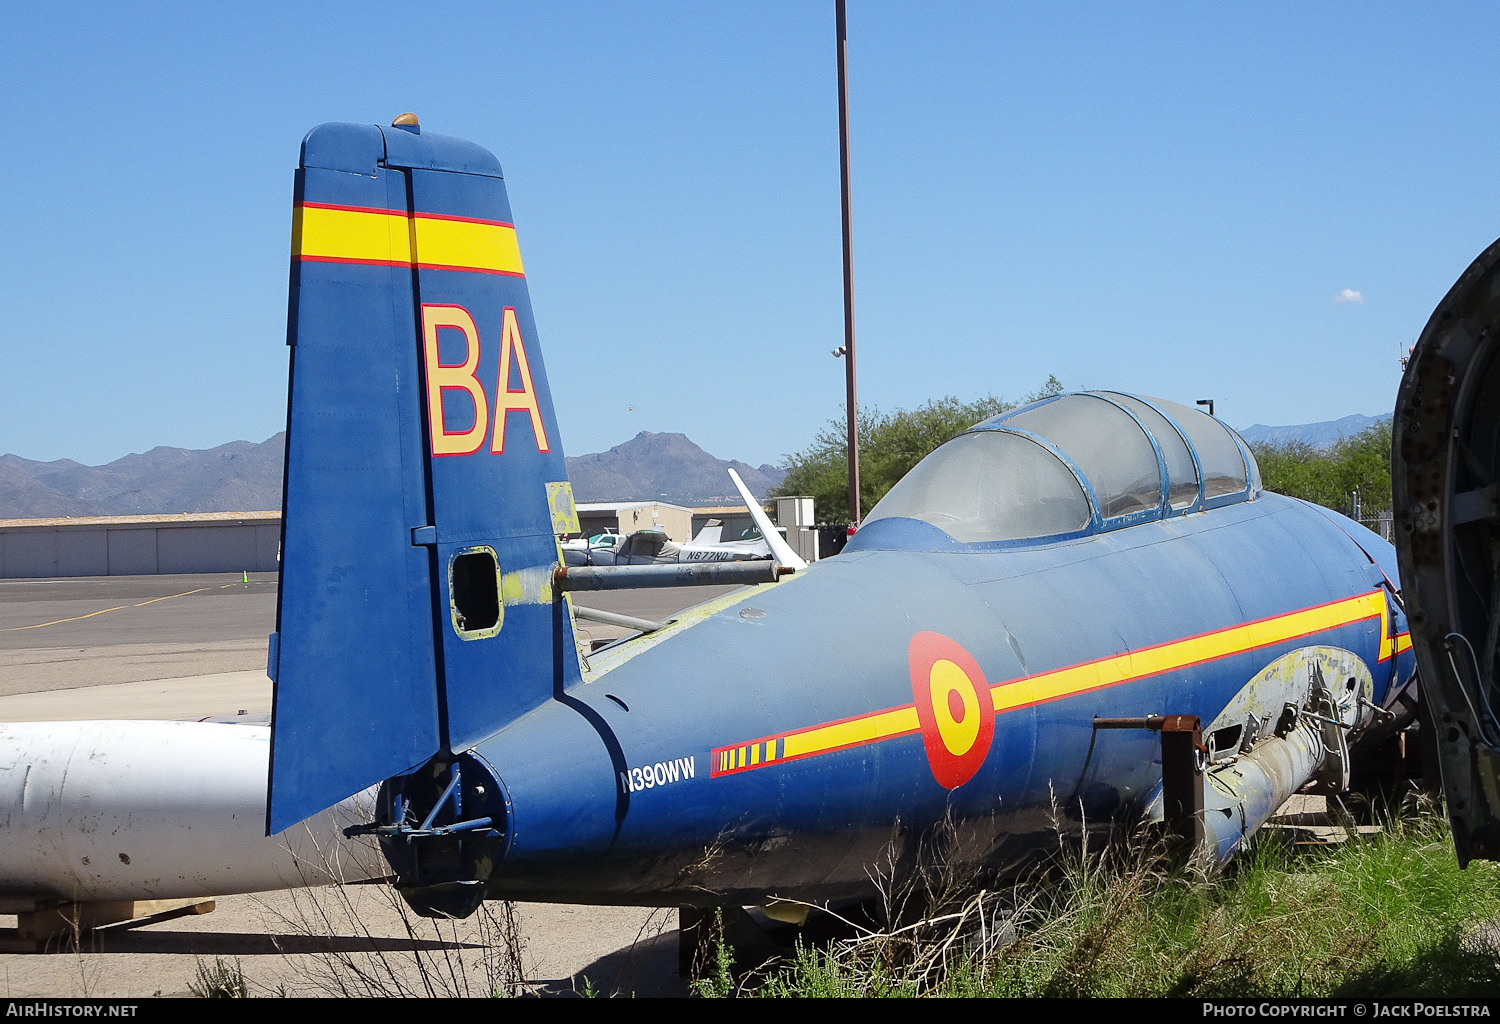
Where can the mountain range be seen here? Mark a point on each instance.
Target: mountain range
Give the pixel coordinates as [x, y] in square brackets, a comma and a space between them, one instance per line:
[1319, 435]
[665, 467]
[244, 477]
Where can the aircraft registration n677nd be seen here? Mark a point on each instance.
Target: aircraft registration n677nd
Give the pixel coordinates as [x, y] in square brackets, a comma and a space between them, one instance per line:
[1091, 557]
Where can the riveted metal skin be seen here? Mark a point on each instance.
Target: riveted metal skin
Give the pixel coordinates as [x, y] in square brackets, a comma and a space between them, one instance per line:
[830, 645]
[1444, 460]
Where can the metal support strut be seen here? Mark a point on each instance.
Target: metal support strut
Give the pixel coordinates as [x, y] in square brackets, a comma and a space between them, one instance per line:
[1183, 759]
[668, 574]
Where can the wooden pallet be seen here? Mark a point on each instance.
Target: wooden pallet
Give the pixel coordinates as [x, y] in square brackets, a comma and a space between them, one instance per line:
[56, 925]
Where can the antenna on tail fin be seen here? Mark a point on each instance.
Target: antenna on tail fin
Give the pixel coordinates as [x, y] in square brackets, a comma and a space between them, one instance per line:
[425, 483]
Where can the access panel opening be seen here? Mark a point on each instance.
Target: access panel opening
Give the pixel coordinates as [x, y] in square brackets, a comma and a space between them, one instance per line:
[474, 593]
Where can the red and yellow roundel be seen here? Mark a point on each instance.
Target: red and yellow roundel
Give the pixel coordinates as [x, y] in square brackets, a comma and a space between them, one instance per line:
[953, 706]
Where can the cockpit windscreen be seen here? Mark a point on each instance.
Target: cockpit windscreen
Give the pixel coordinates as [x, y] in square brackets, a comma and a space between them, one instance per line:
[990, 486]
[1105, 443]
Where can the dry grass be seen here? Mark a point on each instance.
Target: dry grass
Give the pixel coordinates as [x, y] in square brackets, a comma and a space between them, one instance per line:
[480, 956]
[1389, 914]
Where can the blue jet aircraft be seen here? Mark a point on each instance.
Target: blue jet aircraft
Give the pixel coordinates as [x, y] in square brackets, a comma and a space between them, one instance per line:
[1092, 560]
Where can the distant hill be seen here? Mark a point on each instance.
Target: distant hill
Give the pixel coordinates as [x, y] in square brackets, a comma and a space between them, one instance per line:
[244, 477]
[1319, 435]
[665, 467]
[237, 477]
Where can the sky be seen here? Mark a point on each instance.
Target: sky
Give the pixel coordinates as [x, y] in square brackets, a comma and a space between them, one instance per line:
[1259, 204]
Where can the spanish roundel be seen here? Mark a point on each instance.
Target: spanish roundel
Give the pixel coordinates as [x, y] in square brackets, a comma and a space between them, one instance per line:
[953, 706]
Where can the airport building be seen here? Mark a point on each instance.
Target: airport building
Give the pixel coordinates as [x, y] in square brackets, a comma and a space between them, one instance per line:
[140, 545]
[251, 541]
[624, 517]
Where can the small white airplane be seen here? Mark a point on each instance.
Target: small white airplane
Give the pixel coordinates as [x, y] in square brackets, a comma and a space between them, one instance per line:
[596, 550]
[709, 545]
[652, 547]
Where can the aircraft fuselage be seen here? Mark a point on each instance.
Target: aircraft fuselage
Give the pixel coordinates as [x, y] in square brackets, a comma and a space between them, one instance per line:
[767, 742]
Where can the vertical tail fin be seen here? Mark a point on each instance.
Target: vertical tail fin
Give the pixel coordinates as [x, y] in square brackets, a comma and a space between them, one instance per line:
[425, 481]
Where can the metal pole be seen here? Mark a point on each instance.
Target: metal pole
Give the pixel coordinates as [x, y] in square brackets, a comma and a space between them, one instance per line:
[572, 578]
[1181, 778]
[850, 399]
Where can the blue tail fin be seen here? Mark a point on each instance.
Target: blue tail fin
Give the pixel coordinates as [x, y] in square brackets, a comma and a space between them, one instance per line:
[425, 481]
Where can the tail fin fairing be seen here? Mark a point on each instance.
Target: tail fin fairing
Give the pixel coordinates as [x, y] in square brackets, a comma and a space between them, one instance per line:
[425, 481]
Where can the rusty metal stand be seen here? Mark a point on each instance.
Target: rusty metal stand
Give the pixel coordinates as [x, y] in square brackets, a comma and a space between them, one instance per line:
[1183, 758]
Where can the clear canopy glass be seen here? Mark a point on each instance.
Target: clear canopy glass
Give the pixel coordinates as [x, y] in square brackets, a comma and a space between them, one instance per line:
[1110, 448]
[987, 485]
[1182, 474]
[1003, 479]
[1224, 470]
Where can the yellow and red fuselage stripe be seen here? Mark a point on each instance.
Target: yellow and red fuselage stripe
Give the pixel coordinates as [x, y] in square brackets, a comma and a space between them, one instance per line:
[325, 233]
[1070, 681]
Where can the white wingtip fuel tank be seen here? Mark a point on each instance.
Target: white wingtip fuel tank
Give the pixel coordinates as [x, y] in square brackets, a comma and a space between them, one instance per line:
[158, 810]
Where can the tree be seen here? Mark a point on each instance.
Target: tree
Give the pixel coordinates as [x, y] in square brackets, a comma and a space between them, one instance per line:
[890, 444]
[1328, 476]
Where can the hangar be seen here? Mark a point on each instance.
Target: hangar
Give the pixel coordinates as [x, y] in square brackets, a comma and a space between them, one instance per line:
[140, 545]
[187, 542]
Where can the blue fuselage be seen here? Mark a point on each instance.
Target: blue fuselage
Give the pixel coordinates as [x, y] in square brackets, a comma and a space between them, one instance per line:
[772, 742]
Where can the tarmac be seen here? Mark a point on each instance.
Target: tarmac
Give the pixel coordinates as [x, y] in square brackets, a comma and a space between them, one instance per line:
[194, 646]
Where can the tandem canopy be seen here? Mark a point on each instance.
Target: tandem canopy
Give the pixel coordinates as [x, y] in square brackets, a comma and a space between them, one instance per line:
[1069, 466]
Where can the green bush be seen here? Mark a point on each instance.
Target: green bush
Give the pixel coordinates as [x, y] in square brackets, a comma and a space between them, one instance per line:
[1360, 463]
[890, 444]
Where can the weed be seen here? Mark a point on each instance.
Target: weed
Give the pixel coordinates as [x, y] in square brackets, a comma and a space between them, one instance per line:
[220, 981]
[1387, 914]
[716, 979]
[479, 956]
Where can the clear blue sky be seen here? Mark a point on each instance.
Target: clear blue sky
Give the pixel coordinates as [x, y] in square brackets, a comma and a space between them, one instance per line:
[1159, 198]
